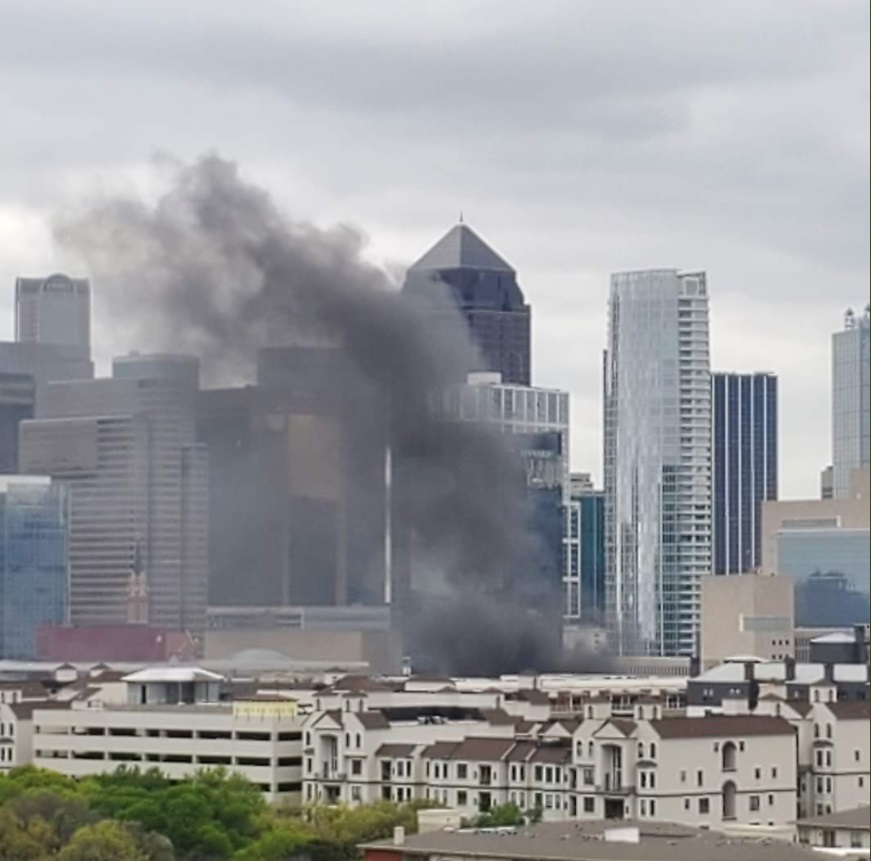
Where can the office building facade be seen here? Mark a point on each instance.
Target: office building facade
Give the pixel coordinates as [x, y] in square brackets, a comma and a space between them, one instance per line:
[584, 551]
[823, 546]
[464, 270]
[744, 410]
[296, 498]
[536, 420]
[851, 399]
[657, 433]
[34, 576]
[138, 485]
[54, 310]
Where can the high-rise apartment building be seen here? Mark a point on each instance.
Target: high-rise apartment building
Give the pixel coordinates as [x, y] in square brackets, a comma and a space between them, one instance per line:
[657, 433]
[744, 410]
[54, 310]
[851, 399]
[483, 287]
[34, 581]
[585, 551]
[138, 483]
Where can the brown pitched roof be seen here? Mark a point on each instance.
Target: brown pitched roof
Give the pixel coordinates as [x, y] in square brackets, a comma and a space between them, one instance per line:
[552, 754]
[373, 720]
[482, 749]
[851, 710]
[800, 707]
[721, 726]
[521, 752]
[622, 725]
[856, 819]
[524, 727]
[395, 751]
[440, 750]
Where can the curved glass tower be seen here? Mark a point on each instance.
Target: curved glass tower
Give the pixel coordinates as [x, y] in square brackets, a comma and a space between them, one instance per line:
[657, 460]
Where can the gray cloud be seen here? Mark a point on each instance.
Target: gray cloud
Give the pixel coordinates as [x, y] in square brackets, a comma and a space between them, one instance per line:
[579, 138]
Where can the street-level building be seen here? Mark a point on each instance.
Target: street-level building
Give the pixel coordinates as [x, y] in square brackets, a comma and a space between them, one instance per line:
[849, 829]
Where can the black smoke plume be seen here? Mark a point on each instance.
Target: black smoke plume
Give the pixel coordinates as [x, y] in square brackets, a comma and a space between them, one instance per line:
[214, 268]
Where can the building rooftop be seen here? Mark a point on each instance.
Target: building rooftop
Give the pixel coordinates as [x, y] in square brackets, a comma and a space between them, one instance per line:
[593, 842]
[856, 819]
[775, 671]
[180, 675]
[712, 726]
[462, 248]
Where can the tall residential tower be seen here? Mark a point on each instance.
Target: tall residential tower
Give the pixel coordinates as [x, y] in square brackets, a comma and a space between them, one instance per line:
[657, 460]
[851, 399]
[745, 466]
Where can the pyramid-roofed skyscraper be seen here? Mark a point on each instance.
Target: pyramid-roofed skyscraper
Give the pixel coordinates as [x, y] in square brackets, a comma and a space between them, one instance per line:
[485, 290]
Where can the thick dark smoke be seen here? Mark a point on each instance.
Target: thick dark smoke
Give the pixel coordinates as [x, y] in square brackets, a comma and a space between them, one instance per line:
[215, 269]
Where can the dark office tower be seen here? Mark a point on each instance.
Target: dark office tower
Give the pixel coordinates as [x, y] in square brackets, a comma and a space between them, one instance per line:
[484, 289]
[126, 448]
[744, 415]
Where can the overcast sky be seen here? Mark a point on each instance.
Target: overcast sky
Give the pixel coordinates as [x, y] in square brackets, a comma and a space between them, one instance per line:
[578, 138]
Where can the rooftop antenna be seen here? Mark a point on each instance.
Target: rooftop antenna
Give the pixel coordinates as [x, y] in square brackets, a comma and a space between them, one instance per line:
[461, 216]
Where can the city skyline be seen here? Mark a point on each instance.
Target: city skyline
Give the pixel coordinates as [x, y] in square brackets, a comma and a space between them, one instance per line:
[573, 161]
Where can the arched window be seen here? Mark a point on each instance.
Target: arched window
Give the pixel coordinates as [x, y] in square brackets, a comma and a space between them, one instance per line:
[828, 730]
[728, 756]
[653, 750]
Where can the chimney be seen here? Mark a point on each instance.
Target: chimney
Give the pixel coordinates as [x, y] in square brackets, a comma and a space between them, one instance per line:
[748, 671]
[829, 672]
[695, 666]
[789, 669]
[399, 836]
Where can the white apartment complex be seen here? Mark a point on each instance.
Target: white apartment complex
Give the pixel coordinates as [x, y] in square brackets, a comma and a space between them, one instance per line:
[712, 770]
[657, 433]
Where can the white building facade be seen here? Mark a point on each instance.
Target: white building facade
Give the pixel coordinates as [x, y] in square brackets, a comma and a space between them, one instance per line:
[657, 433]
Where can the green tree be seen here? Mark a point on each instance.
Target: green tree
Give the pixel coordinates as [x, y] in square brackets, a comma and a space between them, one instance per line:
[16, 843]
[103, 841]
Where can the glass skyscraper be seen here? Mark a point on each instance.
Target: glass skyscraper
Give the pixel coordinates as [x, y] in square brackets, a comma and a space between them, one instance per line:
[34, 579]
[657, 438]
[851, 400]
[745, 466]
[585, 552]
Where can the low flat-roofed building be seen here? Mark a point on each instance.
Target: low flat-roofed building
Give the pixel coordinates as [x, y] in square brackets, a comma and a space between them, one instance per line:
[848, 829]
[176, 720]
[587, 842]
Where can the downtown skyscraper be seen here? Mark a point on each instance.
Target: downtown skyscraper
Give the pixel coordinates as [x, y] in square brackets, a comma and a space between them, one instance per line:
[745, 466]
[483, 287]
[851, 399]
[657, 435]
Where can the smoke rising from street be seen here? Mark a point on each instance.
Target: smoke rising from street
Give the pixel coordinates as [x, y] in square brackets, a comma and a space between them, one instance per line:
[213, 268]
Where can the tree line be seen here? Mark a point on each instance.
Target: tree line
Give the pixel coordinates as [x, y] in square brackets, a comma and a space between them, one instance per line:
[131, 815]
